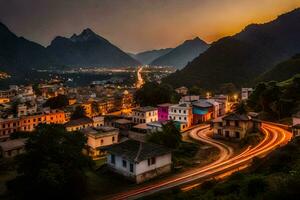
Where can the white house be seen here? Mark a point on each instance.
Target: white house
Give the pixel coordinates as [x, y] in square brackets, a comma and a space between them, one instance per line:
[139, 161]
[181, 113]
[246, 92]
[144, 115]
[98, 137]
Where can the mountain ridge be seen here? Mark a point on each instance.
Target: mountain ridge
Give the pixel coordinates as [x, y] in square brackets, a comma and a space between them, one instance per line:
[182, 54]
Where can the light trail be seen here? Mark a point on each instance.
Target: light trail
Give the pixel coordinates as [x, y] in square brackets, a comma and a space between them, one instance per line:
[274, 137]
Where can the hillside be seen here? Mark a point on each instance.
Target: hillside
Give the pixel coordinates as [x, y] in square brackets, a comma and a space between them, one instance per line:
[283, 70]
[240, 58]
[18, 55]
[88, 49]
[182, 54]
[147, 57]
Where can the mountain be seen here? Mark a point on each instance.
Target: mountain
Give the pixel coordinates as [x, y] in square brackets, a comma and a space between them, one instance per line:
[182, 54]
[283, 71]
[241, 58]
[19, 55]
[88, 49]
[147, 57]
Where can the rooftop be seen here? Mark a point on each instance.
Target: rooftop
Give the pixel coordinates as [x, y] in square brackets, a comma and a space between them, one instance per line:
[123, 121]
[12, 144]
[165, 105]
[137, 151]
[237, 117]
[78, 122]
[202, 104]
[100, 131]
[145, 109]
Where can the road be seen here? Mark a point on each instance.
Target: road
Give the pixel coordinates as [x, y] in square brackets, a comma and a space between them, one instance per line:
[140, 81]
[227, 161]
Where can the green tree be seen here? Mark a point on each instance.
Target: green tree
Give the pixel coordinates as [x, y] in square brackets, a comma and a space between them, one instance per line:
[59, 101]
[153, 93]
[169, 136]
[53, 165]
[78, 113]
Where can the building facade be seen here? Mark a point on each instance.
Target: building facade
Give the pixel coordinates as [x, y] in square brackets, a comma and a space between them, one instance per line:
[144, 115]
[181, 113]
[234, 126]
[140, 162]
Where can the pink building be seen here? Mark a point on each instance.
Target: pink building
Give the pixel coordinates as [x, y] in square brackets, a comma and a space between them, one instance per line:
[163, 112]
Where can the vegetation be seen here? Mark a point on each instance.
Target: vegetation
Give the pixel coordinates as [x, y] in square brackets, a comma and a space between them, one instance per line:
[153, 93]
[59, 101]
[52, 167]
[242, 57]
[283, 70]
[275, 177]
[170, 136]
[276, 100]
[78, 113]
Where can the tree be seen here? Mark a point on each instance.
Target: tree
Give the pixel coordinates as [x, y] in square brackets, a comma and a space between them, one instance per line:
[195, 90]
[59, 101]
[53, 165]
[169, 136]
[153, 93]
[241, 108]
[78, 113]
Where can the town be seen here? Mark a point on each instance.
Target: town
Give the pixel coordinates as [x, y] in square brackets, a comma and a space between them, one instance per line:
[121, 134]
[115, 100]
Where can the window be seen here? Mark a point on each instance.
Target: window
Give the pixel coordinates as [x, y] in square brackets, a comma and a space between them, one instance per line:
[236, 123]
[124, 163]
[179, 118]
[131, 167]
[184, 111]
[101, 141]
[113, 138]
[179, 111]
[151, 161]
[112, 159]
[184, 118]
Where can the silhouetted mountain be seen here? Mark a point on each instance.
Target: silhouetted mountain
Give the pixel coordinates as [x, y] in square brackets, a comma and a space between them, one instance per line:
[19, 55]
[182, 54]
[88, 49]
[241, 58]
[282, 71]
[147, 57]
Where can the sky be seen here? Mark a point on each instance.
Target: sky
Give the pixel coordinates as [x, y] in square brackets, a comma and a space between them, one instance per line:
[138, 25]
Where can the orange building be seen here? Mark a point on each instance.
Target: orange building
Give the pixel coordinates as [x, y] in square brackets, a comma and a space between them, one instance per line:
[28, 123]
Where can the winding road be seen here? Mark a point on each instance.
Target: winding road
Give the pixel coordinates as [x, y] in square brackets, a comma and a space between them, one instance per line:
[226, 162]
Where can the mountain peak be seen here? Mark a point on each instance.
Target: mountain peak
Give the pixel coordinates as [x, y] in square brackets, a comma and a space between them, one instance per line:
[86, 35]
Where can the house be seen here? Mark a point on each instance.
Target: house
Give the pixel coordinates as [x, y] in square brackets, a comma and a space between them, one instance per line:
[235, 126]
[78, 124]
[296, 125]
[202, 111]
[182, 90]
[144, 115]
[181, 113]
[98, 137]
[98, 121]
[246, 92]
[163, 112]
[139, 161]
[139, 132]
[12, 148]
